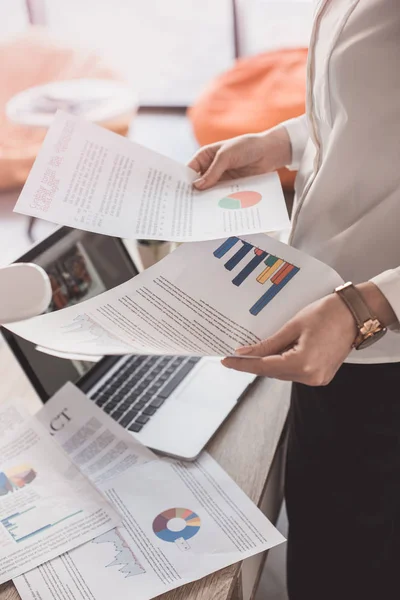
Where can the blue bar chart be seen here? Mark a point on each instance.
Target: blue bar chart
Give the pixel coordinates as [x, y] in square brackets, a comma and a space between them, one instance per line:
[267, 269]
[19, 524]
[225, 247]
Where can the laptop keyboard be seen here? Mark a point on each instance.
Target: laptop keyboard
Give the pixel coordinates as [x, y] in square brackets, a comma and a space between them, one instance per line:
[134, 393]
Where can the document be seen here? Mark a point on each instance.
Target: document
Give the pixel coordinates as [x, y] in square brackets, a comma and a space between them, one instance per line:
[46, 505]
[204, 299]
[94, 441]
[93, 179]
[181, 522]
[13, 413]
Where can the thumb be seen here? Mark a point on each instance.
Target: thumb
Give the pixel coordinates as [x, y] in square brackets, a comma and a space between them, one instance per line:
[214, 172]
[276, 344]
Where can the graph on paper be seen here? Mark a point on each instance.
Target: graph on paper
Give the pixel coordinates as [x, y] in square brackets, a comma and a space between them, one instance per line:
[176, 523]
[14, 479]
[123, 557]
[239, 200]
[19, 524]
[95, 333]
[249, 262]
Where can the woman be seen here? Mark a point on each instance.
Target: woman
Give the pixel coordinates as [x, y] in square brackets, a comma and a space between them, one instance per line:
[343, 465]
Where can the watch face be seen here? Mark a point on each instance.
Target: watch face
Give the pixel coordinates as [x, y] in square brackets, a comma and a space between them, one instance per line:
[371, 339]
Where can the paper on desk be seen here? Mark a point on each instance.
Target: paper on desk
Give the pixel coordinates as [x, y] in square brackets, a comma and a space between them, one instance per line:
[96, 444]
[46, 505]
[181, 522]
[93, 179]
[13, 413]
[94, 441]
[206, 298]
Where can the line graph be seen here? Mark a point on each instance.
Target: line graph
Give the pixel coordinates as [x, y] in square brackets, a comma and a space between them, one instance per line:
[83, 323]
[124, 558]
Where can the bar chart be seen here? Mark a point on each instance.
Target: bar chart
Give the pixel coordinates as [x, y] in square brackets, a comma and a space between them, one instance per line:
[19, 524]
[268, 270]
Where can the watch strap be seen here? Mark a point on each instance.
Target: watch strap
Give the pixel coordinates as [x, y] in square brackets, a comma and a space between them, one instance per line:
[355, 303]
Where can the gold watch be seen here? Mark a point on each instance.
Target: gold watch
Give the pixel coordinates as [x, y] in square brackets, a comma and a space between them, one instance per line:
[370, 329]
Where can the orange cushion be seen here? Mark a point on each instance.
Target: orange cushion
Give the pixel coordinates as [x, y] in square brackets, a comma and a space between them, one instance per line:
[30, 59]
[257, 93]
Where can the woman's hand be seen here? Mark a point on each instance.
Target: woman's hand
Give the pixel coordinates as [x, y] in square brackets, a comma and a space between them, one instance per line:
[309, 349]
[242, 156]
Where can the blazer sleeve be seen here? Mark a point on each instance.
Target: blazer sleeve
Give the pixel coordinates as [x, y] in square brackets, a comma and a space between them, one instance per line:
[298, 133]
[389, 284]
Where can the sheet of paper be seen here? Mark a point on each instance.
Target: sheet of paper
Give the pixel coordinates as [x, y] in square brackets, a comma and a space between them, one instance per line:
[93, 179]
[67, 356]
[206, 298]
[94, 441]
[46, 505]
[199, 521]
[13, 413]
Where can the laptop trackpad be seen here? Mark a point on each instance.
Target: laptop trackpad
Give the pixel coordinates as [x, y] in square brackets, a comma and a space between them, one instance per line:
[194, 412]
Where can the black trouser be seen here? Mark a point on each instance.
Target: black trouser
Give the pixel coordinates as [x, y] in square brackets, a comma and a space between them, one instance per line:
[343, 486]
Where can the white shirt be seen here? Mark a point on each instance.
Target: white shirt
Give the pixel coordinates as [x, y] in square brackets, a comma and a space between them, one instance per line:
[347, 150]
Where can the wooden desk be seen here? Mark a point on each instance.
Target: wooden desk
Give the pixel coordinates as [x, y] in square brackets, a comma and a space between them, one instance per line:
[245, 446]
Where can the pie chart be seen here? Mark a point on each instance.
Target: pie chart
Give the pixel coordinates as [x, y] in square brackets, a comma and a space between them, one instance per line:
[240, 200]
[190, 524]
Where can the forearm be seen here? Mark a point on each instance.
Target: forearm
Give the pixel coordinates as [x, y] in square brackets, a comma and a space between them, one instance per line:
[278, 139]
[289, 140]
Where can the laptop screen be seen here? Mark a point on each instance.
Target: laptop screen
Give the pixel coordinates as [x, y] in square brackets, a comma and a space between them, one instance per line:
[80, 266]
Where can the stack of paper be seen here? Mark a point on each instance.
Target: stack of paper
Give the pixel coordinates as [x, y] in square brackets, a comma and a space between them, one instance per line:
[178, 521]
[46, 505]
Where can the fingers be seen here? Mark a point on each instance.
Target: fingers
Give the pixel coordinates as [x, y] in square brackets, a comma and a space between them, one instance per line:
[296, 364]
[198, 163]
[203, 158]
[278, 367]
[253, 366]
[276, 344]
[279, 360]
[214, 172]
[211, 163]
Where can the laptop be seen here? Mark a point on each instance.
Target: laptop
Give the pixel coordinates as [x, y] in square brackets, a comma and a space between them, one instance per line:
[172, 404]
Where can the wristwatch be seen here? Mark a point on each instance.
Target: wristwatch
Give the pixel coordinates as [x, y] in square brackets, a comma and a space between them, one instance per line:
[370, 329]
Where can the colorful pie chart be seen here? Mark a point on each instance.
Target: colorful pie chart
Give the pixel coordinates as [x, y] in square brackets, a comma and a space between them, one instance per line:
[190, 524]
[240, 200]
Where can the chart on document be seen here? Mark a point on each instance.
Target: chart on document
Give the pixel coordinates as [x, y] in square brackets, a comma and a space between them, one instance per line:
[92, 333]
[123, 560]
[205, 298]
[47, 506]
[27, 519]
[19, 525]
[238, 200]
[177, 525]
[16, 478]
[246, 260]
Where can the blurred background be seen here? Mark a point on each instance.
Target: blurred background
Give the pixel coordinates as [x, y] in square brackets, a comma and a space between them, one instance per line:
[169, 74]
[180, 73]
